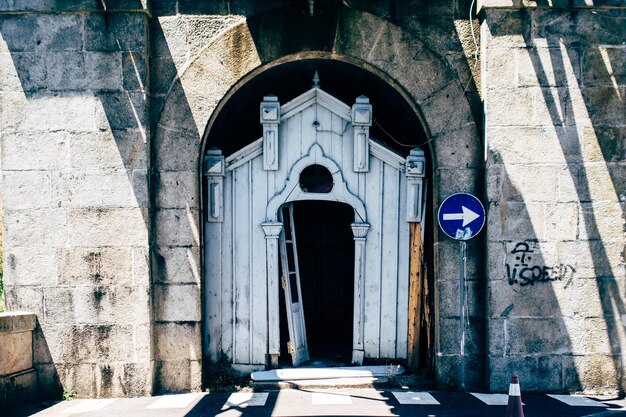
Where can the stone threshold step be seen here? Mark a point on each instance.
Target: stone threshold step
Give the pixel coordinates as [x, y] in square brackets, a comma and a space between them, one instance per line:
[330, 383]
[296, 374]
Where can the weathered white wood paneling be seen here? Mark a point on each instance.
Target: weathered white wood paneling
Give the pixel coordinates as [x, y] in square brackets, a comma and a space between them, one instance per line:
[242, 256]
[373, 252]
[259, 263]
[236, 259]
[402, 320]
[324, 131]
[213, 288]
[290, 144]
[228, 318]
[389, 270]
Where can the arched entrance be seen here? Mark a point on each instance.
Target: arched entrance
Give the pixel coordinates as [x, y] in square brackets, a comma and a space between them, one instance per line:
[314, 147]
[405, 67]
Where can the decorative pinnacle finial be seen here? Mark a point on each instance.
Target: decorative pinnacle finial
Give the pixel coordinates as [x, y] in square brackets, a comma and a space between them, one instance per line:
[316, 80]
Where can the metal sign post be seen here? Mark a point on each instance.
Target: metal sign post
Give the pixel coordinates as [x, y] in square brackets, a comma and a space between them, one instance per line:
[461, 217]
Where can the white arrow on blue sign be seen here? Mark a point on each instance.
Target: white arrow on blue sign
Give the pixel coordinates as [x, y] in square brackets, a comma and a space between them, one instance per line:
[461, 216]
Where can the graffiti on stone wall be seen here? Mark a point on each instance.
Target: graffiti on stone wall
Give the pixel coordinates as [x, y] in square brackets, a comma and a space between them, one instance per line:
[523, 271]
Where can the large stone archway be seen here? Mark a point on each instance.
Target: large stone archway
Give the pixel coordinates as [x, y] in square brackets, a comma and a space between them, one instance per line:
[230, 60]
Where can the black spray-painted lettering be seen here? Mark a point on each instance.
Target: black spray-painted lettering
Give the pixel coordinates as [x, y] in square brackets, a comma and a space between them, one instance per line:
[523, 273]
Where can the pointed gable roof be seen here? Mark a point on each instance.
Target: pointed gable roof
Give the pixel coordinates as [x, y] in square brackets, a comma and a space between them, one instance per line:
[315, 96]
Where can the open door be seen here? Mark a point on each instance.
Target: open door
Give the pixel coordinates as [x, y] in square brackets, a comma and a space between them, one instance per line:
[290, 281]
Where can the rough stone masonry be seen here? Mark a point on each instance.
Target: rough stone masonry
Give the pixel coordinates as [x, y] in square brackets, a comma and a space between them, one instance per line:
[105, 107]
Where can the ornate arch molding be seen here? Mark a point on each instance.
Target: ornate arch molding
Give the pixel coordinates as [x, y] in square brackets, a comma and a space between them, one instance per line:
[293, 192]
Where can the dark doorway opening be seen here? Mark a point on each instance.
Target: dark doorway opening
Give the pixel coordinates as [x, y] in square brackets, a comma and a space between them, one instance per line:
[326, 261]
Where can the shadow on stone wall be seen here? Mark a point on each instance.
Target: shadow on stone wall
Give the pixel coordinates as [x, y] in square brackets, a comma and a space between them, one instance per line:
[49, 384]
[82, 81]
[528, 332]
[175, 199]
[600, 83]
[575, 67]
[75, 110]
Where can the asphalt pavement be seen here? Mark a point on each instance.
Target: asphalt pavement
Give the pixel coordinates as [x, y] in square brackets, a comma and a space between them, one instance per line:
[327, 402]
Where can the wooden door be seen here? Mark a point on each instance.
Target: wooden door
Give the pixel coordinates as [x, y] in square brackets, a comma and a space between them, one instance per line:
[290, 281]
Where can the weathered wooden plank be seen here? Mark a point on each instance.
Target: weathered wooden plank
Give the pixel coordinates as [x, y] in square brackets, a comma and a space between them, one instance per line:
[324, 132]
[227, 295]
[241, 253]
[403, 275]
[337, 125]
[428, 321]
[415, 295]
[291, 143]
[259, 263]
[389, 275]
[373, 200]
[283, 138]
[213, 284]
[307, 135]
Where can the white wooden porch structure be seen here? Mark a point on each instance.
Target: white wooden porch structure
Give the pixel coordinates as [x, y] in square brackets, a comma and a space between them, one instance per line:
[244, 193]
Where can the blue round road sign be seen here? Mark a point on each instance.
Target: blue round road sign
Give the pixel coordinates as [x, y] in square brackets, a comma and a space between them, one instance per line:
[461, 216]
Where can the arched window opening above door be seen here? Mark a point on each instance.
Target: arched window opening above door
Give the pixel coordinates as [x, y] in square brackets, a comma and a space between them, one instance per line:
[316, 179]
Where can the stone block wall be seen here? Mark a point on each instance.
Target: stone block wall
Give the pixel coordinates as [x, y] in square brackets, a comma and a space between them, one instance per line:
[75, 158]
[103, 114]
[104, 106]
[555, 118]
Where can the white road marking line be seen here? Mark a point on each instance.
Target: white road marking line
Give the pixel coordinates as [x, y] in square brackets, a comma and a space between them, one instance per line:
[416, 398]
[85, 406]
[174, 401]
[245, 399]
[331, 398]
[577, 400]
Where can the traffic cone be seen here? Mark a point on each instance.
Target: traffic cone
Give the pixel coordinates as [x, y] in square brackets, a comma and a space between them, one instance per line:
[514, 408]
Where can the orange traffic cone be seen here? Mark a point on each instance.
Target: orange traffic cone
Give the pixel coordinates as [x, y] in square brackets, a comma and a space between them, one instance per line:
[514, 408]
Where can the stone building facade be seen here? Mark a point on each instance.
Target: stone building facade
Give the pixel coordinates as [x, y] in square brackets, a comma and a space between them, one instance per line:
[109, 107]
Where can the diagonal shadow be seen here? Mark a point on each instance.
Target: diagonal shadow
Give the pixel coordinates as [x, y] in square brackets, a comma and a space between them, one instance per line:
[565, 124]
[76, 83]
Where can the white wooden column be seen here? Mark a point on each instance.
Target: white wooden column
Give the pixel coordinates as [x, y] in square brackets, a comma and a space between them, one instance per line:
[270, 119]
[415, 171]
[272, 232]
[359, 231]
[361, 122]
